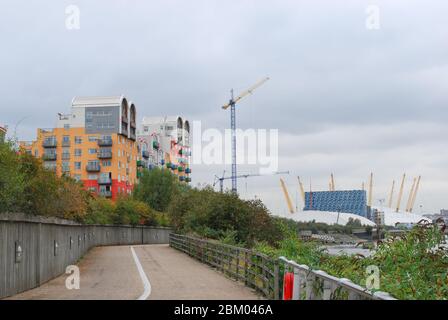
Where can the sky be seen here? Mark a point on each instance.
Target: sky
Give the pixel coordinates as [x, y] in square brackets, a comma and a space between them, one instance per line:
[344, 98]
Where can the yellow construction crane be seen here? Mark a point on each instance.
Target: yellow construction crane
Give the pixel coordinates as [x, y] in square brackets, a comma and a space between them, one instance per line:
[411, 194]
[391, 194]
[245, 93]
[288, 199]
[415, 194]
[332, 186]
[302, 191]
[400, 194]
[370, 190]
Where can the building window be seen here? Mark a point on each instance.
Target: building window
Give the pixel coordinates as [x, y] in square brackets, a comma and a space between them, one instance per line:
[65, 166]
[93, 138]
[78, 152]
[66, 139]
[77, 165]
[93, 177]
[78, 140]
[92, 151]
[106, 163]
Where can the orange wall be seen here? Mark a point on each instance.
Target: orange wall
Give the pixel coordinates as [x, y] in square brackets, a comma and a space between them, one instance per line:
[124, 152]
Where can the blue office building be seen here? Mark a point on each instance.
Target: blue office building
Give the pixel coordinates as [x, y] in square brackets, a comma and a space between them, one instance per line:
[350, 201]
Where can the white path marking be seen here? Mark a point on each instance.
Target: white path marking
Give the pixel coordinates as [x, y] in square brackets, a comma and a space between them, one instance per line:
[145, 280]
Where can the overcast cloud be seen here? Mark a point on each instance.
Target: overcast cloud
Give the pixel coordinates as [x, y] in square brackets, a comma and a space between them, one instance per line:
[345, 99]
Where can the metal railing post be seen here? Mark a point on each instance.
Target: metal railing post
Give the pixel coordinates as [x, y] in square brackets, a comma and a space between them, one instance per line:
[276, 280]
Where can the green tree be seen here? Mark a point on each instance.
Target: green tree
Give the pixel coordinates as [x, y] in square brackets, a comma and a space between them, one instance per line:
[157, 188]
[12, 180]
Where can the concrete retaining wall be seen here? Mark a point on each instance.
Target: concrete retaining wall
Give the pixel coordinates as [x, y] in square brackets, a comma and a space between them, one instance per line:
[34, 250]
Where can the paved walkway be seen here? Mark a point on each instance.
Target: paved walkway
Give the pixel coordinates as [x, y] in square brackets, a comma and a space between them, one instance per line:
[113, 273]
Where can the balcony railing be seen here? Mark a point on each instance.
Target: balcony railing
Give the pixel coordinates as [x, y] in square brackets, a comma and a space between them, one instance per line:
[145, 154]
[105, 180]
[49, 157]
[104, 142]
[50, 143]
[104, 154]
[93, 167]
[106, 194]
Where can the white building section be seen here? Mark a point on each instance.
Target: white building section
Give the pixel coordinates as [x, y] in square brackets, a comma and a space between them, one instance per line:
[328, 217]
[391, 218]
[165, 142]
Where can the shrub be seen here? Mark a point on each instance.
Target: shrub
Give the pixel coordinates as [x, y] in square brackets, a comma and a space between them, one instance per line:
[156, 188]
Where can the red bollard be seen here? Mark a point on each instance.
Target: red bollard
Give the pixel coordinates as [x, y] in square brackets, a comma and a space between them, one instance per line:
[288, 284]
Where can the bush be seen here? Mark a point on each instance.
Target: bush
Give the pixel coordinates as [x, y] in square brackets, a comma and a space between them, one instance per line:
[101, 211]
[156, 188]
[216, 215]
[133, 212]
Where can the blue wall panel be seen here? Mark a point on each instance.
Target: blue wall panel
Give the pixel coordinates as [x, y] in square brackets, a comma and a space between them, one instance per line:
[351, 201]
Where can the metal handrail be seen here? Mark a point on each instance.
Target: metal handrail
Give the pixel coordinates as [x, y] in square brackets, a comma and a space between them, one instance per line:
[305, 279]
[254, 269]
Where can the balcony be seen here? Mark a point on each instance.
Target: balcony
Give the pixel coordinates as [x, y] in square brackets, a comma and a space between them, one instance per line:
[145, 154]
[93, 167]
[50, 143]
[132, 136]
[133, 125]
[105, 142]
[142, 163]
[50, 157]
[102, 154]
[105, 180]
[106, 194]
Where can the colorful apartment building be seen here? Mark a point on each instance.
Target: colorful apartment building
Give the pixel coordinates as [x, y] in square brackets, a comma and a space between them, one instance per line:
[164, 142]
[95, 144]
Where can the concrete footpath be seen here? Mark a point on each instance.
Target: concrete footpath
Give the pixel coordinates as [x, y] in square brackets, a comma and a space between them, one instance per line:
[142, 272]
